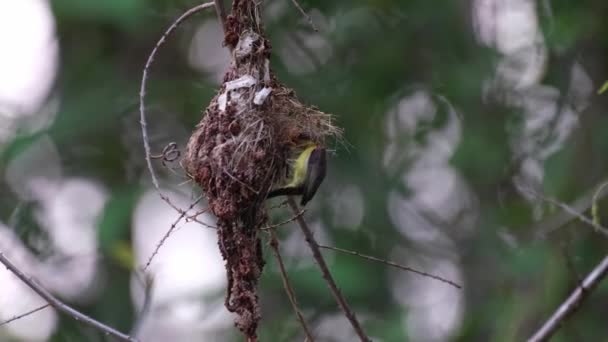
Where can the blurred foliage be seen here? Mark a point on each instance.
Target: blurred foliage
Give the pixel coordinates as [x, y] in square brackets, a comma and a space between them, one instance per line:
[380, 51]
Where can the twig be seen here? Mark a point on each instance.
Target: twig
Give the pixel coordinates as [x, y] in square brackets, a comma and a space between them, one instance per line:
[570, 210]
[573, 302]
[142, 95]
[314, 247]
[62, 307]
[580, 205]
[392, 263]
[24, 314]
[168, 233]
[291, 219]
[280, 205]
[194, 218]
[274, 245]
[305, 15]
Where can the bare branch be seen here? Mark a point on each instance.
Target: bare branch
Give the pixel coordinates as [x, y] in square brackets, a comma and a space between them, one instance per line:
[291, 219]
[62, 307]
[393, 264]
[573, 211]
[570, 305]
[194, 218]
[25, 314]
[314, 247]
[274, 245]
[168, 233]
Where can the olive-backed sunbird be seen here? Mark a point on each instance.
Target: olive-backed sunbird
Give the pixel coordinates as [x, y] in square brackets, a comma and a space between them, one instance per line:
[307, 173]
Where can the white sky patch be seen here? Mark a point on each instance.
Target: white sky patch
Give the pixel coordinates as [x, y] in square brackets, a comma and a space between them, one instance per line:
[28, 61]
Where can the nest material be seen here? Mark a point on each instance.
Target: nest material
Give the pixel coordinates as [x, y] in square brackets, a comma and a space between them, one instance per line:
[240, 150]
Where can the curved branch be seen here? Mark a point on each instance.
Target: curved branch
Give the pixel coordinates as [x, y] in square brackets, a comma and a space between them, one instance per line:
[142, 95]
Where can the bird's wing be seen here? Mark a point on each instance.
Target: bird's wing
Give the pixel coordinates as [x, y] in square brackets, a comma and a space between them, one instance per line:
[316, 169]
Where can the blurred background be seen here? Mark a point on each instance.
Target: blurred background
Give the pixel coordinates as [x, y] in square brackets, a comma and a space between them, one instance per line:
[457, 114]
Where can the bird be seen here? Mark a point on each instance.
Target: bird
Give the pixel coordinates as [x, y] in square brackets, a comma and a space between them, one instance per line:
[307, 173]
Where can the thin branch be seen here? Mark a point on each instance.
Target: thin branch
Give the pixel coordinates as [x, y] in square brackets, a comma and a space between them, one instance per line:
[393, 264]
[278, 206]
[305, 15]
[62, 307]
[574, 301]
[571, 210]
[291, 219]
[274, 244]
[580, 205]
[142, 95]
[168, 233]
[25, 314]
[194, 218]
[314, 247]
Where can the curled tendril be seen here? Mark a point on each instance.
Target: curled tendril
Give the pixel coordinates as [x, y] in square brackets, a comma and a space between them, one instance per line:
[170, 153]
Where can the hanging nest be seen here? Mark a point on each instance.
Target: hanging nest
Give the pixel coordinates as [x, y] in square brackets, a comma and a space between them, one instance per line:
[241, 149]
